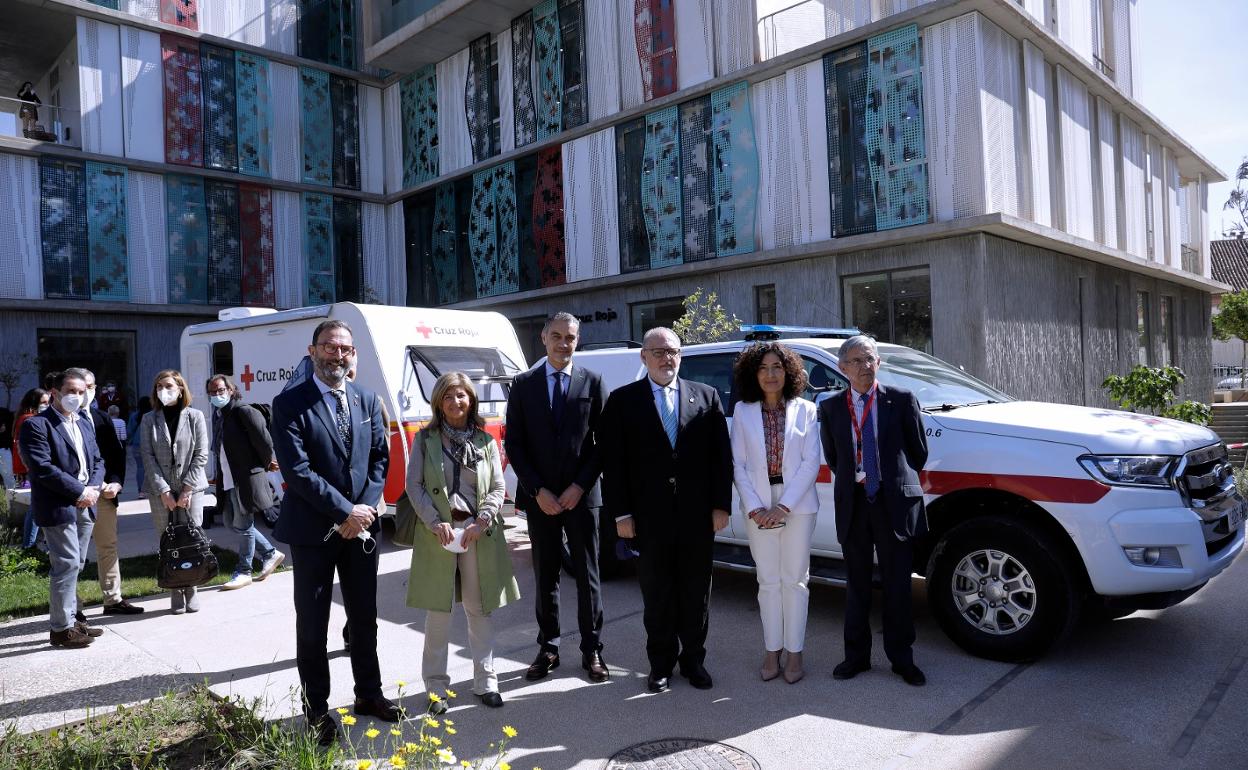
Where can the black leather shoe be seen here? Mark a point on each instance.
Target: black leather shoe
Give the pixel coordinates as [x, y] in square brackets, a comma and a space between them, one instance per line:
[380, 707]
[543, 664]
[655, 683]
[911, 674]
[492, 699]
[80, 616]
[324, 729]
[848, 669]
[698, 676]
[592, 662]
[122, 607]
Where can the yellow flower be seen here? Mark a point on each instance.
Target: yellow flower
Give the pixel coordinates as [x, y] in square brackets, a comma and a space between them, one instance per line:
[450, 731]
[364, 764]
[504, 766]
[348, 720]
[431, 722]
[465, 763]
[372, 733]
[402, 683]
[450, 693]
[509, 731]
[396, 733]
[398, 761]
[411, 748]
[447, 722]
[435, 740]
[341, 711]
[433, 696]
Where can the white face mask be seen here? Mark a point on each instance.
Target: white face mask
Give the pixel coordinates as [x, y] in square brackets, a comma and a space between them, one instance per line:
[71, 402]
[90, 398]
[41, 407]
[168, 396]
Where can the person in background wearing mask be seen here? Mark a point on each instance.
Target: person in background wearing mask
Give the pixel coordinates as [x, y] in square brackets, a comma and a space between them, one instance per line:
[175, 453]
[133, 438]
[105, 532]
[66, 473]
[243, 450]
[109, 397]
[34, 402]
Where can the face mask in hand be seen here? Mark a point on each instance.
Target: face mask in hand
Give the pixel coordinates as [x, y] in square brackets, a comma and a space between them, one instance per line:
[219, 401]
[167, 396]
[71, 402]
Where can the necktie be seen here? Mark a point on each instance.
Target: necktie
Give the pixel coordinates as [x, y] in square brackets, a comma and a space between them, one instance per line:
[668, 413]
[870, 455]
[343, 419]
[558, 400]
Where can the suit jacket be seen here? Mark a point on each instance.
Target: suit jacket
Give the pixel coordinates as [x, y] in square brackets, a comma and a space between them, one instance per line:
[799, 464]
[171, 463]
[545, 457]
[323, 484]
[248, 450]
[52, 464]
[666, 489]
[111, 450]
[903, 453]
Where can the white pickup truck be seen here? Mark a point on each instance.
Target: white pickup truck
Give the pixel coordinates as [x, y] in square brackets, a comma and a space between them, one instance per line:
[1037, 511]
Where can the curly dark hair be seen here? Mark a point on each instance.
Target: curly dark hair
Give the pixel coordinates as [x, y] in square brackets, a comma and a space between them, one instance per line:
[745, 371]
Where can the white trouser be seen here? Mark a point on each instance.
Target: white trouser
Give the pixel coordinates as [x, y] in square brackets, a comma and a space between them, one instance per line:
[782, 559]
[480, 634]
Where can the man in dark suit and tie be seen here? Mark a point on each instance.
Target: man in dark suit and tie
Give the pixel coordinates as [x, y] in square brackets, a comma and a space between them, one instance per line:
[873, 441]
[667, 480]
[552, 414]
[66, 473]
[330, 441]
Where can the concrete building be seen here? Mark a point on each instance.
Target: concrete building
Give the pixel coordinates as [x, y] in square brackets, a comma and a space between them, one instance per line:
[976, 178]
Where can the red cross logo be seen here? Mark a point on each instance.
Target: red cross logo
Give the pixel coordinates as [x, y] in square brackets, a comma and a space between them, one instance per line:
[424, 330]
[247, 377]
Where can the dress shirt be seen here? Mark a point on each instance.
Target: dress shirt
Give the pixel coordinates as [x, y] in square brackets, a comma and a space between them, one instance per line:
[75, 437]
[227, 478]
[671, 392]
[875, 425]
[327, 393]
[550, 380]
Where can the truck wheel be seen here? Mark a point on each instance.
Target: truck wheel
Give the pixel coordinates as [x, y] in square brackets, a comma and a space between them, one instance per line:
[999, 589]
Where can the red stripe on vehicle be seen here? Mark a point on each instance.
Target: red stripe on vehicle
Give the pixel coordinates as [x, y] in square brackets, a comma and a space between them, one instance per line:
[1039, 489]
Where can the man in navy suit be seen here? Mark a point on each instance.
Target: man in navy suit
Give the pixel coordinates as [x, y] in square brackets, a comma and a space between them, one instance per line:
[552, 413]
[66, 472]
[873, 440]
[667, 480]
[330, 442]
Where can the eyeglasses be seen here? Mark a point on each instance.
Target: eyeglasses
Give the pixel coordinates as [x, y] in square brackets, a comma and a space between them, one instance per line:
[329, 349]
[663, 352]
[861, 362]
[219, 392]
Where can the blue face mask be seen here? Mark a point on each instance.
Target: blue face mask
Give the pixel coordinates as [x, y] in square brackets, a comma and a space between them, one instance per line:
[219, 401]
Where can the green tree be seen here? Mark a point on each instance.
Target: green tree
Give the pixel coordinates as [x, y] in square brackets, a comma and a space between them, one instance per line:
[1230, 321]
[1152, 389]
[705, 320]
[1237, 201]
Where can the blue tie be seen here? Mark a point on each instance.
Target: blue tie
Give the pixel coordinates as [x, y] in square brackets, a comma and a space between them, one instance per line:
[558, 400]
[669, 416]
[870, 455]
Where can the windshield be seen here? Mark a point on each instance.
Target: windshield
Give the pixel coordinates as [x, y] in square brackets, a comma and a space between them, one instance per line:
[490, 369]
[931, 380]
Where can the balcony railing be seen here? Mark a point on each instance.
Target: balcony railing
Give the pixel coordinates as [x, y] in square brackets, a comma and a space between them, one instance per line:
[1191, 259]
[50, 126]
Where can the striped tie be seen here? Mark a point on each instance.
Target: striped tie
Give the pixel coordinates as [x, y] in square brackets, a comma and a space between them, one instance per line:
[669, 415]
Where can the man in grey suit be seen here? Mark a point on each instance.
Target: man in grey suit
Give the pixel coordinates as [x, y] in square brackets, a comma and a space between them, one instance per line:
[873, 442]
[330, 441]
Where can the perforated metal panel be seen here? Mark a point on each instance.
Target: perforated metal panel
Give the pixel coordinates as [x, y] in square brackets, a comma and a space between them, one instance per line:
[735, 169]
[602, 62]
[776, 191]
[376, 263]
[63, 229]
[1036, 86]
[392, 112]
[1001, 104]
[631, 181]
[1074, 25]
[146, 238]
[524, 101]
[841, 16]
[106, 232]
[255, 119]
[19, 217]
[348, 251]
[548, 64]
[99, 86]
[220, 108]
[255, 220]
[492, 237]
[454, 144]
[1174, 253]
[785, 26]
[283, 16]
[1075, 122]
[345, 105]
[954, 128]
[142, 94]
[660, 193]
[184, 131]
[506, 93]
[1132, 206]
[225, 257]
[317, 126]
[849, 170]
[808, 129]
[288, 248]
[372, 141]
[287, 153]
[735, 38]
[697, 196]
[1121, 29]
[318, 250]
[145, 9]
[547, 217]
[419, 127]
[477, 98]
[591, 222]
[186, 221]
[662, 48]
[444, 256]
[632, 77]
[1107, 156]
[396, 256]
[180, 13]
[418, 232]
[895, 136]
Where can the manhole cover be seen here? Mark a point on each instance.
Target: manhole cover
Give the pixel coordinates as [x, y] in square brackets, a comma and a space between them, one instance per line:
[682, 754]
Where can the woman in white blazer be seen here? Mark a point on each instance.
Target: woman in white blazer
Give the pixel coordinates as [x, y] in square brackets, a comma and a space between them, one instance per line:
[776, 456]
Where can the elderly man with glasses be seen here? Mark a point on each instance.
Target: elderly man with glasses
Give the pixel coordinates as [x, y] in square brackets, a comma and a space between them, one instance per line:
[873, 441]
[667, 480]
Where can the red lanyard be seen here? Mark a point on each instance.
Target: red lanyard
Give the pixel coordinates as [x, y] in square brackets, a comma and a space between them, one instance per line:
[853, 420]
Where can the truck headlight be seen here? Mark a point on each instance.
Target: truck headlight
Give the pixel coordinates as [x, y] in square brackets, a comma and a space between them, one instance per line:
[1131, 470]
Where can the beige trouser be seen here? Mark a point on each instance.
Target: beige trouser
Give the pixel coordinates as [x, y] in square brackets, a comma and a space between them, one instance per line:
[105, 535]
[480, 634]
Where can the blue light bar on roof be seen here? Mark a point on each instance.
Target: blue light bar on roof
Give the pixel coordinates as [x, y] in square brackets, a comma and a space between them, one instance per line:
[755, 332]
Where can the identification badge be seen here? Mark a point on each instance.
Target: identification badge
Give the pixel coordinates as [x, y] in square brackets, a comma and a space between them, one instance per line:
[860, 476]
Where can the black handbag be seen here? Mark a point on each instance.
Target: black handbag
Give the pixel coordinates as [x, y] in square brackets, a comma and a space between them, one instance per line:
[186, 557]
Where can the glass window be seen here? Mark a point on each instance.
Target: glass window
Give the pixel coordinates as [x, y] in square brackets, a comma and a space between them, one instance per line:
[223, 358]
[1169, 343]
[489, 368]
[765, 304]
[821, 379]
[892, 307]
[348, 251]
[647, 315]
[714, 369]
[529, 332]
[1142, 328]
[108, 353]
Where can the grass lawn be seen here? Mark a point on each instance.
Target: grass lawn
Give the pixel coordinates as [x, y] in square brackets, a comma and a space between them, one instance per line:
[26, 593]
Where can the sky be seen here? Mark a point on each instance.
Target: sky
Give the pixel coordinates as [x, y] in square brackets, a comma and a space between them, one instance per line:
[1194, 61]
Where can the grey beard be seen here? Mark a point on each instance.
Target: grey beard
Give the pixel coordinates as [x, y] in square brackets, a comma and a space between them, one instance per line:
[332, 375]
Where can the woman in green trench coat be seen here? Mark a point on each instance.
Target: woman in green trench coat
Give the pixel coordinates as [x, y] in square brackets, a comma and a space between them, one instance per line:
[455, 483]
